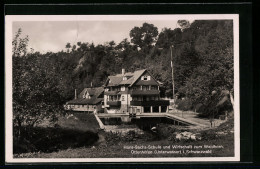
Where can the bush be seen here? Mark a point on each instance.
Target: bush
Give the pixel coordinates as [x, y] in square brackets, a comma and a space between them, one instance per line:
[184, 105]
[200, 108]
[52, 139]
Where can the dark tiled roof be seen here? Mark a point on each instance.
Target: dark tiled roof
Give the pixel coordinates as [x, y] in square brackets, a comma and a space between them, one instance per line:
[128, 81]
[118, 79]
[94, 92]
[82, 101]
[137, 74]
[91, 91]
[82, 93]
[114, 80]
[98, 91]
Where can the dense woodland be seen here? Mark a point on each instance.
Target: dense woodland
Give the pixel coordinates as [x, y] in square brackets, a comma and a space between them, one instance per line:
[202, 57]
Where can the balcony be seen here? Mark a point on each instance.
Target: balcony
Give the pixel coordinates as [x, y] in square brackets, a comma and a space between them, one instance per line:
[114, 103]
[111, 93]
[144, 92]
[150, 103]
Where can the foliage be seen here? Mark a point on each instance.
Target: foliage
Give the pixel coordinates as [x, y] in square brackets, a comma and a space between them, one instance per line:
[144, 36]
[36, 88]
[183, 24]
[19, 44]
[51, 139]
[184, 104]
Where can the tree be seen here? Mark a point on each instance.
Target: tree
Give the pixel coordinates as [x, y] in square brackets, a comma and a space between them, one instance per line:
[36, 96]
[184, 24]
[19, 45]
[213, 48]
[74, 48]
[68, 46]
[145, 36]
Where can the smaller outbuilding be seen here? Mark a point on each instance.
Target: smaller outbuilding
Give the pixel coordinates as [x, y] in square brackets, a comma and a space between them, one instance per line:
[89, 100]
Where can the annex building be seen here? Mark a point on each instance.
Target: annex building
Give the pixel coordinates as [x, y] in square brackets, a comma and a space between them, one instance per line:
[89, 100]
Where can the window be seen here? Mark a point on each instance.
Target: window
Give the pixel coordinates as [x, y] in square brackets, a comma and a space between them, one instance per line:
[123, 98]
[122, 88]
[145, 78]
[145, 87]
[154, 88]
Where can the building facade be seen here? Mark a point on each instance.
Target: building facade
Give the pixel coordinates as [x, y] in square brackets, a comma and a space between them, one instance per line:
[89, 100]
[133, 92]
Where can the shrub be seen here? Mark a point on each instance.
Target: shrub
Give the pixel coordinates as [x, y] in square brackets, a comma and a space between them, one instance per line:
[184, 105]
[52, 139]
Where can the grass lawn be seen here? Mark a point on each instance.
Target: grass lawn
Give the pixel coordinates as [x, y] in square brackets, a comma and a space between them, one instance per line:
[80, 121]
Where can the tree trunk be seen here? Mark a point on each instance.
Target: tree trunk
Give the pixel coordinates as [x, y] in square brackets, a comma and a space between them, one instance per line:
[232, 100]
[19, 128]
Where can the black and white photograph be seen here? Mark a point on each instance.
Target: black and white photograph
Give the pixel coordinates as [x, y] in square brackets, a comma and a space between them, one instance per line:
[122, 88]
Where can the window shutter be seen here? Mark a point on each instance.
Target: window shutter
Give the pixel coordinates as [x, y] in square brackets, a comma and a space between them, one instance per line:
[148, 77]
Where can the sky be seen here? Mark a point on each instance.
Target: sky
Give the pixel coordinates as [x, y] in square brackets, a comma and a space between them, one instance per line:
[52, 36]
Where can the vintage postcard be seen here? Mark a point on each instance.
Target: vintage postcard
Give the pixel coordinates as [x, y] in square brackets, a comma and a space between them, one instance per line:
[122, 88]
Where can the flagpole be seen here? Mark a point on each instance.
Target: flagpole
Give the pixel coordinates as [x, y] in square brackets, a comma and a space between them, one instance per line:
[172, 73]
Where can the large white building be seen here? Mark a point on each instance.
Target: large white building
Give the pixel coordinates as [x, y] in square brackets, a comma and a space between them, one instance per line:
[133, 92]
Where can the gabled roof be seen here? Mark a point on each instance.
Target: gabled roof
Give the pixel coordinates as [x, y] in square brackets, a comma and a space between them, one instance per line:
[91, 91]
[118, 79]
[94, 92]
[137, 74]
[114, 80]
[82, 93]
[98, 91]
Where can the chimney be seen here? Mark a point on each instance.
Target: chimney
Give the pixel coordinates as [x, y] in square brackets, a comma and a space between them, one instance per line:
[123, 71]
[75, 93]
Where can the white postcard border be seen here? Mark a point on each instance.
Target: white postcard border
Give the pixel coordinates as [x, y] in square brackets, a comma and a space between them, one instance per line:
[9, 19]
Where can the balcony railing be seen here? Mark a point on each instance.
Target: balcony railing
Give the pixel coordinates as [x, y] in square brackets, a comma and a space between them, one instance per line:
[114, 103]
[111, 93]
[150, 103]
[144, 92]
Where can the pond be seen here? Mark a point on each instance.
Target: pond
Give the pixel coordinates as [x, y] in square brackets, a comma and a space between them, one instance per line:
[144, 123]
